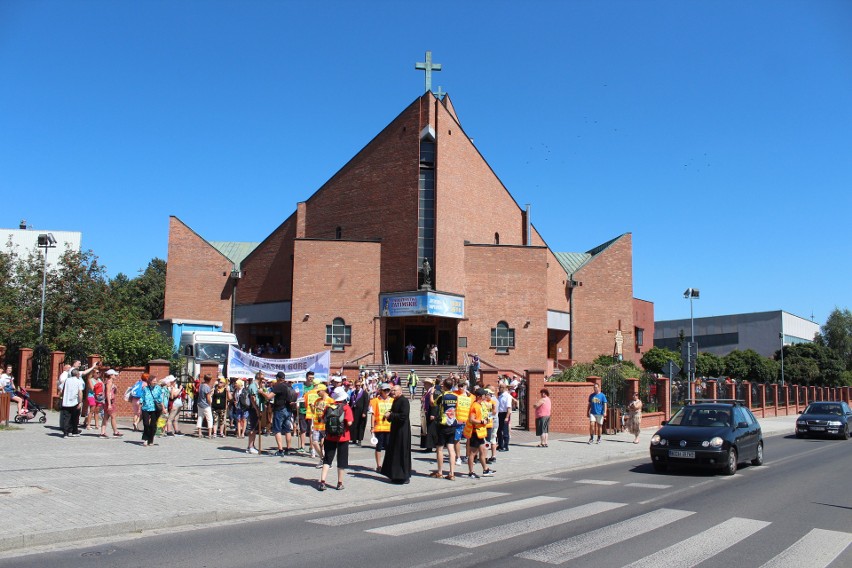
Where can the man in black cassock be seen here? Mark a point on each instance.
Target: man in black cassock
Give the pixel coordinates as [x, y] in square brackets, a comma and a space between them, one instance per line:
[397, 463]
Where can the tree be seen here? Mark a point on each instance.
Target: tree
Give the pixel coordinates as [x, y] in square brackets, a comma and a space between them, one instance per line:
[654, 360]
[837, 335]
[750, 366]
[812, 364]
[709, 365]
[133, 343]
[84, 312]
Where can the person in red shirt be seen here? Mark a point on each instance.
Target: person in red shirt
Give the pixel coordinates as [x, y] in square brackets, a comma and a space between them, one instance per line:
[336, 444]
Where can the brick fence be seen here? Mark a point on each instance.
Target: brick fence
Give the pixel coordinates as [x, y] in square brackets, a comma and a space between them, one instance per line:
[127, 376]
[569, 400]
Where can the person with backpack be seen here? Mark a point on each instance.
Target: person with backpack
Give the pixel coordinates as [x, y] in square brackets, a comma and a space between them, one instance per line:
[445, 425]
[283, 408]
[337, 418]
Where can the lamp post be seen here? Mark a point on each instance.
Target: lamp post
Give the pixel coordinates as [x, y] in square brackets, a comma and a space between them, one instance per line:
[781, 335]
[691, 294]
[45, 241]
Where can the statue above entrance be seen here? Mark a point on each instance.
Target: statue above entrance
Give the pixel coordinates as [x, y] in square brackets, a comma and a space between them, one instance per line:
[427, 275]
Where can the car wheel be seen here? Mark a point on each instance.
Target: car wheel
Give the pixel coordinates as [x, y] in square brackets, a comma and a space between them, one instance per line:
[731, 465]
[758, 459]
[845, 434]
[659, 467]
[799, 436]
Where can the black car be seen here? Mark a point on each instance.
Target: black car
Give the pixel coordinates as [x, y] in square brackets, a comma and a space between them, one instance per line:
[708, 434]
[827, 418]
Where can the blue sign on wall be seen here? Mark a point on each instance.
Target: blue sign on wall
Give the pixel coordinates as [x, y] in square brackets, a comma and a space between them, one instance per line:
[422, 303]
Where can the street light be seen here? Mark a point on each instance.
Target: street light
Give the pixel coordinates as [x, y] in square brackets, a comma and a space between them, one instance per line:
[45, 241]
[781, 335]
[691, 294]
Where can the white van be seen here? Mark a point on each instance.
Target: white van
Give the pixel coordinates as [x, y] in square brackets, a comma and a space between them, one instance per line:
[199, 346]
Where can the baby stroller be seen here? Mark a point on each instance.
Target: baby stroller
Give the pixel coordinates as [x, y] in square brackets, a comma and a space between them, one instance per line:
[29, 409]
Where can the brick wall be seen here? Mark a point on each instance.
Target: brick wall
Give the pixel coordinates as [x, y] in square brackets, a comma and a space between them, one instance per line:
[605, 297]
[267, 271]
[374, 197]
[506, 283]
[336, 279]
[198, 278]
[643, 317]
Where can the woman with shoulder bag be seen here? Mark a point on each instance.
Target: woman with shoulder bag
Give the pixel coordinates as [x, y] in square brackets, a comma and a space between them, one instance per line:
[151, 407]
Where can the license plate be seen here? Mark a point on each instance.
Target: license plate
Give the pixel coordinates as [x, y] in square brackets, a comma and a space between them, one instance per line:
[681, 454]
[818, 428]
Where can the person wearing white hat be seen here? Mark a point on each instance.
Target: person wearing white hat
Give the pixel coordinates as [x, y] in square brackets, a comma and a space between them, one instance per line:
[337, 418]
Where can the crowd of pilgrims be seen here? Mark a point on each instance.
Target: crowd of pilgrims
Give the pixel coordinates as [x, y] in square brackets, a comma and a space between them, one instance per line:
[321, 418]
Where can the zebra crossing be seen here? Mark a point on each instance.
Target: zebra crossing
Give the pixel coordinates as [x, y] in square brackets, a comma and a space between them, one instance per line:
[517, 518]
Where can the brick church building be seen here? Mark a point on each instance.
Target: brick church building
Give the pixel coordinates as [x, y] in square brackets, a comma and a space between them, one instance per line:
[414, 241]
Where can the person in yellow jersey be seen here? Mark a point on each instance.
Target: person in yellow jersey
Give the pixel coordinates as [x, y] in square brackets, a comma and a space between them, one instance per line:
[318, 434]
[380, 406]
[310, 400]
[475, 431]
[462, 409]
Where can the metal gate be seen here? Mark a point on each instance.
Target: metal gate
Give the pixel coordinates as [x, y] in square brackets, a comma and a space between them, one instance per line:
[40, 367]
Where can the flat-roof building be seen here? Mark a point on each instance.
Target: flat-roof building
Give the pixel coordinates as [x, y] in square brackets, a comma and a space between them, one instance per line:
[759, 331]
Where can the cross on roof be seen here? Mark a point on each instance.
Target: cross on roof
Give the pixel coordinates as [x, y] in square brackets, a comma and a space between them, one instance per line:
[440, 93]
[428, 67]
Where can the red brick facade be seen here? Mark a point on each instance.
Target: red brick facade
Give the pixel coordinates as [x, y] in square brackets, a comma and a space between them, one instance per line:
[198, 278]
[357, 236]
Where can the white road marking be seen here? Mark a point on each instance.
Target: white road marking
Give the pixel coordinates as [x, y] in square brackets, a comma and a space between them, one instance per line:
[394, 511]
[443, 561]
[649, 485]
[596, 482]
[471, 514]
[704, 545]
[592, 541]
[817, 549]
[527, 526]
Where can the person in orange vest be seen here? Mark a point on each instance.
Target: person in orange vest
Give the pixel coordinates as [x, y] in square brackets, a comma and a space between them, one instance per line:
[380, 406]
[475, 432]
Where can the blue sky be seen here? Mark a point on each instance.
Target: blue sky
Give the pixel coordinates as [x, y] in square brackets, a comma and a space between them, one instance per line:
[718, 133]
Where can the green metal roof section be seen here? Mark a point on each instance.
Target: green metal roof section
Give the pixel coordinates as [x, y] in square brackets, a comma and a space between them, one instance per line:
[574, 261]
[235, 251]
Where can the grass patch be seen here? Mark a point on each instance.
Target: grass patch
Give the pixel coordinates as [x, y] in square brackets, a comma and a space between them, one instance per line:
[9, 427]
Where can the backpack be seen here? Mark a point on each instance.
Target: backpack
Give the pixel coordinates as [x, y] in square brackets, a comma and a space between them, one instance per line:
[244, 401]
[128, 393]
[334, 425]
[99, 392]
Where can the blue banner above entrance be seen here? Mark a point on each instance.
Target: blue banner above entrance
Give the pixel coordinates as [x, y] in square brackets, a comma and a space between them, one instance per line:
[421, 303]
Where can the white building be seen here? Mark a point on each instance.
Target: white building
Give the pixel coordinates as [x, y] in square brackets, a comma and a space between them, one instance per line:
[761, 331]
[24, 240]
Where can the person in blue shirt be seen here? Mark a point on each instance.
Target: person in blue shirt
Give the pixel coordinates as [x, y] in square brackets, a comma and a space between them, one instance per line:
[150, 394]
[597, 411]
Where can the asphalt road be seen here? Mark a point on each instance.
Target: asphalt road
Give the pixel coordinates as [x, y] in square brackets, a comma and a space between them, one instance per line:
[796, 510]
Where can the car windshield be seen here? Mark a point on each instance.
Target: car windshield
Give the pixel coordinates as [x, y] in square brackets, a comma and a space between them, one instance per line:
[702, 416]
[212, 352]
[824, 408]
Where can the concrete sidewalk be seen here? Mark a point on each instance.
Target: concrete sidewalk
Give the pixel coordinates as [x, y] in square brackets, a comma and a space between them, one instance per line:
[56, 490]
